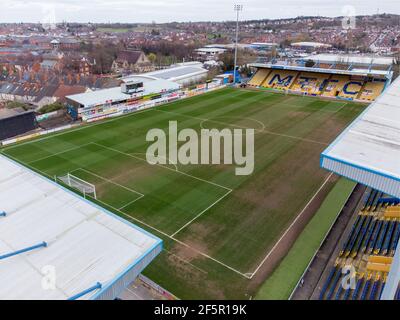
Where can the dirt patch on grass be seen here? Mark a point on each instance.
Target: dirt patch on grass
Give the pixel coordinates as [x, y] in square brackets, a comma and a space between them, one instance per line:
[192, 250]
[181, 259]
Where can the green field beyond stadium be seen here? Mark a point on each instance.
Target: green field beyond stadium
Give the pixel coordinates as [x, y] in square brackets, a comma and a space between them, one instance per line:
[218, 228]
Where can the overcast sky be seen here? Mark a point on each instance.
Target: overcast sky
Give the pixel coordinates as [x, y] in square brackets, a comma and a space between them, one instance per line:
[179, 10]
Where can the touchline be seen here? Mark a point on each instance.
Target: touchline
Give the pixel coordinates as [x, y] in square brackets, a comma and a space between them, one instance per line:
[236, 146]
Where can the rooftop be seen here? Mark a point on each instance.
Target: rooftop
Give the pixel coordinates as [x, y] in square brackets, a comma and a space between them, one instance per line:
[368, 151]
[7, 113]
[99, 97]
[85, 244]
[310, 44]
[350, 59]
[175, 73]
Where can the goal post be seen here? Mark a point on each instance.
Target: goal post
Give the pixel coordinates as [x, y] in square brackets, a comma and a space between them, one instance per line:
[83, 186]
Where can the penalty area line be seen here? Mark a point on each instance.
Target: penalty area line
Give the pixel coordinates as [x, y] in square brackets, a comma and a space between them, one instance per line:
[162, 166]
[201, 213]
[129, 217]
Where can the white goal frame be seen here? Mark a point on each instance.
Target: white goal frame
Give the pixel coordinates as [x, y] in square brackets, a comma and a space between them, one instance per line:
[70, 177]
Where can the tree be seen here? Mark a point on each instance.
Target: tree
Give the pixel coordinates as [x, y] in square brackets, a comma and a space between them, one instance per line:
[50, 108]
[104, 54]
[152, 57]
[243, 59]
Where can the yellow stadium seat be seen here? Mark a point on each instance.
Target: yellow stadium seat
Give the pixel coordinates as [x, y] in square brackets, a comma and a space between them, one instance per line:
[280, 79]
[392, 212]
[378, 267]
[259, 77]
[380, 259]
[335, 85]
[310, 82]
[372, 90]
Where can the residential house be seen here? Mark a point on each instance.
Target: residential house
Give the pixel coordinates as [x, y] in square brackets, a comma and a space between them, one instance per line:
[132, 61]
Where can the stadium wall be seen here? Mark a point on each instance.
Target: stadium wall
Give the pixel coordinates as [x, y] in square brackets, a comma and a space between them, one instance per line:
[114, 289]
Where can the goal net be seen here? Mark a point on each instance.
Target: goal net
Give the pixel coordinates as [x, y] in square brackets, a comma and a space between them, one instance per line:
[79, 184]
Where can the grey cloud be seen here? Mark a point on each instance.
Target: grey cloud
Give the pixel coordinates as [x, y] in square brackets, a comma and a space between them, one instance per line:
[181, 10]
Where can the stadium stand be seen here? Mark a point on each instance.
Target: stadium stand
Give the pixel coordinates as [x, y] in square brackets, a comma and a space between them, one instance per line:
[310, 83]
[351, 89]
[16, 124]
[372, 89]
[259, 77]
[369, 249]
[337, 80]
[335, 86]
[324, 84]
[367, 152]
[280, 79]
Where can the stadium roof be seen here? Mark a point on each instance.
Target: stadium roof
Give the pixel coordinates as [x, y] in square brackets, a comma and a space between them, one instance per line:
[368, 151]
[284, 65]
[181, 71]
[348, 59]
[311, 44]
[264, 44]
[99, 97]
[62, 235]
[7, 113]
[210, 50]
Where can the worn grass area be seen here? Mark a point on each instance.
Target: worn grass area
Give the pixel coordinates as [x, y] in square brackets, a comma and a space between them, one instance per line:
[217, 226]
[285, 278]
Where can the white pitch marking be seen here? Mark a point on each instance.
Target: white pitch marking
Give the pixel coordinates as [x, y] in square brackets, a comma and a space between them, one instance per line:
[291, 225]
[81, 127]
[176, 240]
[142, 153]
[264, 130]
[184, 260]
[153, 228]
[131, 202]
[201, 213]
[141, 195]
[58, 153]
[165, 167]
[110, 181]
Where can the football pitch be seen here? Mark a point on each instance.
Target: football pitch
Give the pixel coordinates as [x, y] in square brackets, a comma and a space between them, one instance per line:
[220, 231]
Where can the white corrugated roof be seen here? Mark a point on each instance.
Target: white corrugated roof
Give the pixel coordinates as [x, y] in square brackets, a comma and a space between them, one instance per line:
[372, 142]
[310, 44]
[86, 244]
[348, 59]
[115, 94]
[185, 70]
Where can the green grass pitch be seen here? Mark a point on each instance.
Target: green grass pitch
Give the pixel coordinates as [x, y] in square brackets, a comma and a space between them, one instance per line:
[217, 227]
